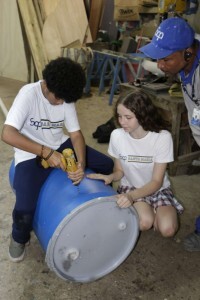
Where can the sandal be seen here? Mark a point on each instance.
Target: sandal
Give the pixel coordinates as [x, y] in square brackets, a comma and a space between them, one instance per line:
[192, 242]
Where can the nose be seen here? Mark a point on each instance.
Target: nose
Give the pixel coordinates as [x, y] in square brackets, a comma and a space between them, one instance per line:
[122, 121]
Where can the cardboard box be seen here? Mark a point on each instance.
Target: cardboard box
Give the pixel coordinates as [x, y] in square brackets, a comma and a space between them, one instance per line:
[128, 2]
[148, 10]
[147, 29]
[180, 5]
[130, 10]
[126, 13]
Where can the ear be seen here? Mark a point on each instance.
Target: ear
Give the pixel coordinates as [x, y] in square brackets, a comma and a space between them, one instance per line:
[188, 54]
[44, 83]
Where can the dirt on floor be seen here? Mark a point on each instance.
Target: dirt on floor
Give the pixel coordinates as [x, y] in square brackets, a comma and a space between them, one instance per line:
[157, 268]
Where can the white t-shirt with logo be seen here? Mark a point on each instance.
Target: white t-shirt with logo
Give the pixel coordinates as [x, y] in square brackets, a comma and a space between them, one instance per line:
[42, 122]
[194, 88]
[138, 156]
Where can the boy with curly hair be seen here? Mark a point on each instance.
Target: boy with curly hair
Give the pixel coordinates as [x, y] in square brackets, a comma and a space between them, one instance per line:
[35, 128]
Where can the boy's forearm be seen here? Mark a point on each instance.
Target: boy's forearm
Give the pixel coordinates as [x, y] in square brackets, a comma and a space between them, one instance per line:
[14, 138]
[79, 147]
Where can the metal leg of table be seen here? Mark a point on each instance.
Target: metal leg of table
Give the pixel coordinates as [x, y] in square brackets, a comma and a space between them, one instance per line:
[116, 73]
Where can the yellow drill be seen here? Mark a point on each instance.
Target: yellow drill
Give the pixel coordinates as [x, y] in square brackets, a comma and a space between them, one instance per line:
[68, 160]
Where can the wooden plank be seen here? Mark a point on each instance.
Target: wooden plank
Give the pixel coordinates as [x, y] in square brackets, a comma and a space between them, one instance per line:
[33, 35]
[95, 17]
[65, 25]
[87, 7]
[12, 51]
[42, 10]
[50, 6]
[107, 22]
[39, 14]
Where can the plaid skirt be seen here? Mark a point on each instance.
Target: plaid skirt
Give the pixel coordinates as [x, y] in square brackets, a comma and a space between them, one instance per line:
[163, 197]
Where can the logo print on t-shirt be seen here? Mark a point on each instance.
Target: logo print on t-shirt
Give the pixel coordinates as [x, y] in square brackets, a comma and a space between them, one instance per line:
[140, 159]
[46, 124]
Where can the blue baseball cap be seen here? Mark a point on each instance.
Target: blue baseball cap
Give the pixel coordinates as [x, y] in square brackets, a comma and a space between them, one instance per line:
[172, 35]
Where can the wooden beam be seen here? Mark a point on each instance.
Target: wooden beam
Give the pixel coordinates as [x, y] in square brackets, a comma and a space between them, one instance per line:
[34, 36]
[39, 14]
[95, 17]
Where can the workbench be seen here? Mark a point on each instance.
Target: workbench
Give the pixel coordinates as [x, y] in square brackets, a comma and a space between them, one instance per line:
[110, 65]
[174, 111]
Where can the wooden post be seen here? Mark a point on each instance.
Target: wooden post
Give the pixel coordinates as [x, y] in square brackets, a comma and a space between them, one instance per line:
[34, 36]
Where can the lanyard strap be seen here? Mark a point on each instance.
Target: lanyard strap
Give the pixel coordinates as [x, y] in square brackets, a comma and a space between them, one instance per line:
[192, 96]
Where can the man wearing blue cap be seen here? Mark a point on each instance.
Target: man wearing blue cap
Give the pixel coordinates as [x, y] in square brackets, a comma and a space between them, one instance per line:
[177, 51]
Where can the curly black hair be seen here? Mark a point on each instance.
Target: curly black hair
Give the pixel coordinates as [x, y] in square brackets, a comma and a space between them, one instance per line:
[65, 79]
[146, 113]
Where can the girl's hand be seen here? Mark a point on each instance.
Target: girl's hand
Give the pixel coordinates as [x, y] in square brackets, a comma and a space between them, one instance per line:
[106, 178]
[124, 200]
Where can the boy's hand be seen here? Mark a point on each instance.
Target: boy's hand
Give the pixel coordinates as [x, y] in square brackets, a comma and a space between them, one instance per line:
[78, 175]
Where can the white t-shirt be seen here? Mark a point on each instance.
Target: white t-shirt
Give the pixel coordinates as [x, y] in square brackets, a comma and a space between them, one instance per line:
[137, 156]
[33, 115]
[194, 88]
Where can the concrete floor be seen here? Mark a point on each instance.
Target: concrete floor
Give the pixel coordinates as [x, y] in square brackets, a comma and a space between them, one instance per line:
[157, 268]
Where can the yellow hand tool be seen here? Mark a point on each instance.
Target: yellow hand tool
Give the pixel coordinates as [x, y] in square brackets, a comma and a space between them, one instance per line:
[68, 160]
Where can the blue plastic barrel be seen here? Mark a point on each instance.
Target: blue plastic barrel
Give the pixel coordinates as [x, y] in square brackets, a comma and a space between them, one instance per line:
[81, 228]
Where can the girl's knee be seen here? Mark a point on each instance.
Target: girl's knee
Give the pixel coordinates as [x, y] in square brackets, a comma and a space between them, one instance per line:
[146, 223]
[166, 221]
[168, 230]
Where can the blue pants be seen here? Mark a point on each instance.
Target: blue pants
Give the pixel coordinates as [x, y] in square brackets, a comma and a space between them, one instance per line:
[28, 180]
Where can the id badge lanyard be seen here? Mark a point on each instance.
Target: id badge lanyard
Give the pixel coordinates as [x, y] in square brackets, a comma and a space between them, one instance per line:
[196, 111]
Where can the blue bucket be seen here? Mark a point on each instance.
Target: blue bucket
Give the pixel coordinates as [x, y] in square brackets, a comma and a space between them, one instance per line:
[81, 228]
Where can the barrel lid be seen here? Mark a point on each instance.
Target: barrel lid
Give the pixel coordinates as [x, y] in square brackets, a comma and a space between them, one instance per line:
[93, 240]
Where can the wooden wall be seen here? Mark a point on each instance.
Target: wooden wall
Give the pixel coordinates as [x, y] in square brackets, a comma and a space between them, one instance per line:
[60, 23]
[13, 58]
[12, 54]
